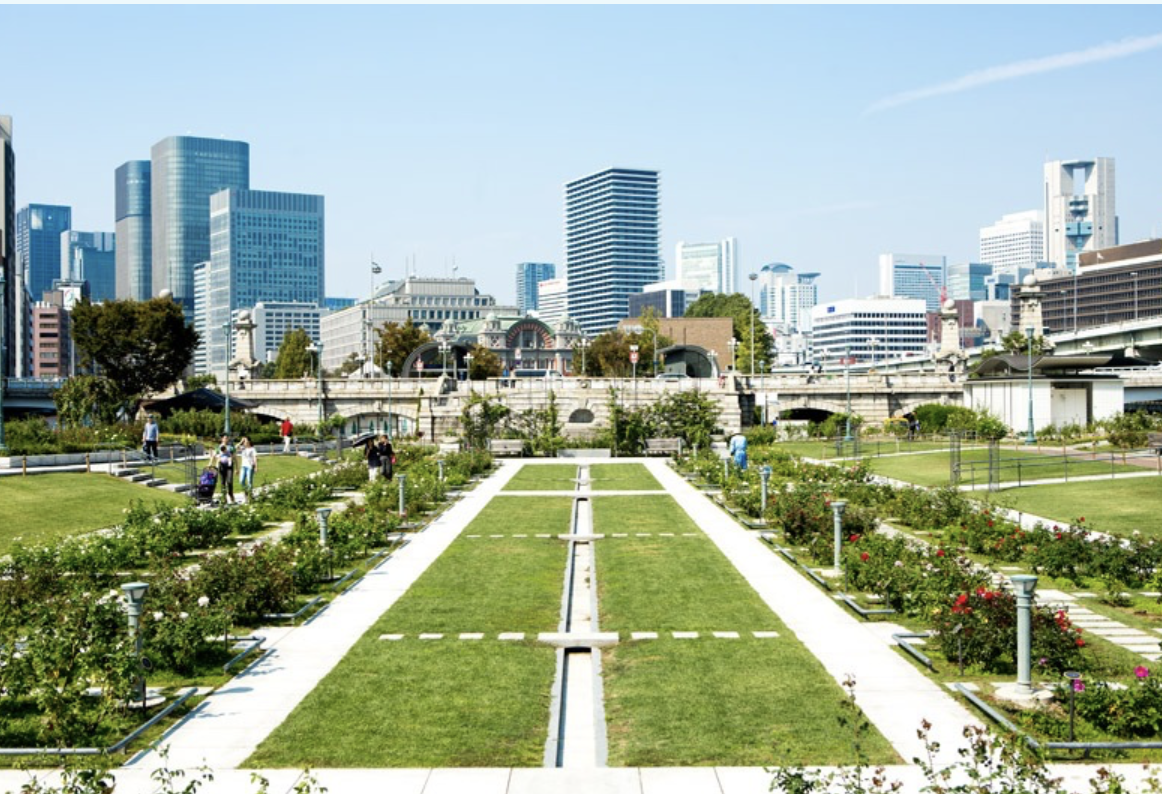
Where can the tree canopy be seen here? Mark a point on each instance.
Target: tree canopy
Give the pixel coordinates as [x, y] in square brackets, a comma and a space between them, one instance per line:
[294, 360]
[396, 342]
[743, 315]
[608, 352]
[140, 346]
[485, 363]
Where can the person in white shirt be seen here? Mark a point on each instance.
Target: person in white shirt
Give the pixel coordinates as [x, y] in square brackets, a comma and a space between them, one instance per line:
[249, 457]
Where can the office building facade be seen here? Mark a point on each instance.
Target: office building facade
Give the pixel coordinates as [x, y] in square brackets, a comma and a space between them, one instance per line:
[1080, 211]
[967, 280]
[667, 299]
[611, 243]
[273, 320]
[787, 297]
[264, 246]
[867, 330]
[38, 244]
[1017, 240]
[919, 276]
[528, 276]
[8, 301]
[90, 257]
[133, 227]
[184, 173]
[552, 301]
[708, 267]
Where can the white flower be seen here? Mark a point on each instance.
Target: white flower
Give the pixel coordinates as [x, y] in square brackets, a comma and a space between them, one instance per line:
[158, 615]
[183, 615]
[204, 601]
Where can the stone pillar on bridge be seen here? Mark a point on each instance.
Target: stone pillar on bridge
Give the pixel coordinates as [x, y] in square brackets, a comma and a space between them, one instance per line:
[244, 363]
[1030, 299]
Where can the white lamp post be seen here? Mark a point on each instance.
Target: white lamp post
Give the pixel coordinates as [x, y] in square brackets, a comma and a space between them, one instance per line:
[753, 310]
[134, 596]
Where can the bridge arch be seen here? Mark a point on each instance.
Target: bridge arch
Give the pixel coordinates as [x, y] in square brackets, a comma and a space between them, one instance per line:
[696, 361]
[429, 353]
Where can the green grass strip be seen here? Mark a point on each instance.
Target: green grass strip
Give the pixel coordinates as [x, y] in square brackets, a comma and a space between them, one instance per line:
[622, 477]
[42, 507]
[544, 478]
[933, 469]
[705, 701]
[1121, 506]
[271, 468]
[448, 702]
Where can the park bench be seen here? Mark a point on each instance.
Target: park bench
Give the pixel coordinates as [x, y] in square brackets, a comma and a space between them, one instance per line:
[506, 446]
[663, 446]
[1154, 441]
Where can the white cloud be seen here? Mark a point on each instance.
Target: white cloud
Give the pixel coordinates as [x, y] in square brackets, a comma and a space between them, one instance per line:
[1018, 69]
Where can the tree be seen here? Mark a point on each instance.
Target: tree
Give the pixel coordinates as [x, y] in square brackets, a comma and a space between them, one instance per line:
[743, 315]
[396, 342]
[349, 365]
[140, 346]
[480, 419]
[1016, 343]
[485, 363]
[86, 398]
[294, 360]
[609, 355]
[205, 381]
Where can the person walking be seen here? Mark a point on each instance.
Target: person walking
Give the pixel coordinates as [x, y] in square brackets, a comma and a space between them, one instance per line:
[249, 457]
[738, 450]
[387, 457]
[225, 457]
[374, 462]
[287, 430]
[149, 437]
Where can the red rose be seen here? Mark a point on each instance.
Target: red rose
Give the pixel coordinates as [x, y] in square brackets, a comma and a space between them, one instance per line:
[864, 556]
[940, 552]
[1081, 643]
[990, 522]
[853, 538]
[1081, 520]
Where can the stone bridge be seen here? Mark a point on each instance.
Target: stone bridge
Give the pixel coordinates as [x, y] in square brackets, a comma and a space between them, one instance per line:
[434, 405]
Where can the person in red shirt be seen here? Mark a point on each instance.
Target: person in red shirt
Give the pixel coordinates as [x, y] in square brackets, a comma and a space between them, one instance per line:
[288, 431]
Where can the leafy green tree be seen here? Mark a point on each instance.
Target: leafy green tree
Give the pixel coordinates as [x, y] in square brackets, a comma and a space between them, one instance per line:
[481, 418]
[349, 365]
[1016, 343]
[207, 380]
[396, 342]
[485, 363]
[140, 346]
[294, 360]
[690, 416]
[85, 399]
[743, 315]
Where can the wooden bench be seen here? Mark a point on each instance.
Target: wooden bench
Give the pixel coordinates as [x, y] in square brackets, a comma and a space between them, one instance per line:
[506, 446]
[663, 446]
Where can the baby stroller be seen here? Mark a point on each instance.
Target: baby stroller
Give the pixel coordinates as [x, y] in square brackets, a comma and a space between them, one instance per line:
[207, 485]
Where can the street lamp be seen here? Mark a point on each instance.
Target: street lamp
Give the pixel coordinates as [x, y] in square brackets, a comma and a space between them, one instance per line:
[633, 363]
[134, 596]
[583, 343]
[318, 349]
[847, 385]
[444, 355]
[733, 345]
[1030, 437]
[468, 367]
[753, 310]
[228, 327]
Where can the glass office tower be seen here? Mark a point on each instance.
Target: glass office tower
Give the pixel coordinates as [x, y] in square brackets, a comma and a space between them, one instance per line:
[185, 172]
[133, 216]
[38, 244]
[90, 257]
[528, 275]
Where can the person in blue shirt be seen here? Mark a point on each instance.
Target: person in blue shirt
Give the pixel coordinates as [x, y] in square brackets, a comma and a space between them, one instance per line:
[149, 437]
[738, 450]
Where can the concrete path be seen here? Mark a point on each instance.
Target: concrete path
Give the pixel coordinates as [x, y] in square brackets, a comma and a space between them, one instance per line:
[227, 727]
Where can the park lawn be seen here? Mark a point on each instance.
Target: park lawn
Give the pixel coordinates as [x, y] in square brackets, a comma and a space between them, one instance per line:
[826, 449]
[704, 701]
[622, 477]
[1016, 466]
[447, 702]
[1119, 506]
[42, 507]
[552, 477]
[271, 468]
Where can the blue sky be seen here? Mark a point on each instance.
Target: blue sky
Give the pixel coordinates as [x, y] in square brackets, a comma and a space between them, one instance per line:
[809, 133]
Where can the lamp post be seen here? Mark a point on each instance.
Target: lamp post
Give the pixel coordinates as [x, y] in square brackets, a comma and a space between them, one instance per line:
[1023, 587]
[583, 343]
[444, 355]
[390, 419]
[134, 596]
[633, 363]
[1030, 436]
[468, 368]
[1135, 276]
[318, 350]
[837, 508]
[733, 345]
[847, 386]
[228, 327]
[753, 310]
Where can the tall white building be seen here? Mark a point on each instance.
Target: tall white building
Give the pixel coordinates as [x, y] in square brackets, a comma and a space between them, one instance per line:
[1080, 214]
[870, 328]
[273, 320]
[1016, 240]
[709, 267]
[552, 301]
[787, 297]
[920, 276]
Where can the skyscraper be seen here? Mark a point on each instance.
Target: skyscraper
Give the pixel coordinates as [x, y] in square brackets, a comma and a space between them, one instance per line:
[787, 297]
[185, 172]
[90, 257]
[1079, 209]
[264, 247]
[552, 297]
[611, 243]
[1016, 240]
[133, 217]
[913, 276]
[7, 249]
[38, 244]
[528, 275]
[967, 281]
[709, 267]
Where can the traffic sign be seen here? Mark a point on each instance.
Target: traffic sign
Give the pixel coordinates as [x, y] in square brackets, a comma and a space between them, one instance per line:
[420, 365]
[633, 357]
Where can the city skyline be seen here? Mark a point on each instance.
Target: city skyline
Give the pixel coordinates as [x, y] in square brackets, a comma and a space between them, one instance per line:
[855, 139]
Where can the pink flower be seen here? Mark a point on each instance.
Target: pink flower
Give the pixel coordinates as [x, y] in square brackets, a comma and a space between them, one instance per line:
[1142, 672]
[1078, 685]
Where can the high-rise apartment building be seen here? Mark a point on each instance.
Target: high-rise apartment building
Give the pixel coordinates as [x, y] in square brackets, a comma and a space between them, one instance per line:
[552, 301]
[264, 246]
[184, 173]
[133, 218]
[7, 250]
[38, 244]
[90, 257]
[611, 243]
[1080, 214]
[528, 276]
[708, 267]
[1016, 240]
[913, 276]
[786, 297]
[967, 281]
